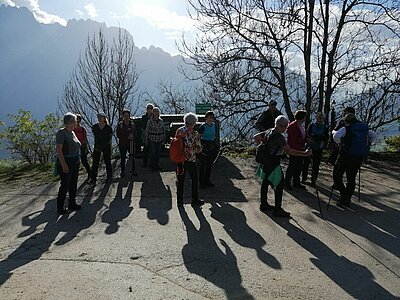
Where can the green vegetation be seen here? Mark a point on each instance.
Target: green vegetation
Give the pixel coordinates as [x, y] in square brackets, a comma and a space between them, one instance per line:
[30, 140]
[393, 142]
[13, 171]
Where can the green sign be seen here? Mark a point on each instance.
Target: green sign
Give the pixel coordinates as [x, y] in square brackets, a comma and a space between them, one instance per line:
[202, 108]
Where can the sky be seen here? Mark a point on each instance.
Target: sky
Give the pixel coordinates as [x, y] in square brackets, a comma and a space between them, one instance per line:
[160, 23]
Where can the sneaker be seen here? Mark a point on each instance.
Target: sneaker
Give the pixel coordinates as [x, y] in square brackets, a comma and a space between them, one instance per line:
[74, 207]
[300, 186]
[279, 212]
[264, 207]
[62, 211]
[197, 203]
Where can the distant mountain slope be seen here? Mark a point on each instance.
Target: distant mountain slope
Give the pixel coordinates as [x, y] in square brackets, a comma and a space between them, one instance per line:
[36, 60]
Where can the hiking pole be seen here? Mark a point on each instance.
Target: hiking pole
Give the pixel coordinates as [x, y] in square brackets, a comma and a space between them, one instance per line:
[316, 187]
[359, 184]
[330, 196]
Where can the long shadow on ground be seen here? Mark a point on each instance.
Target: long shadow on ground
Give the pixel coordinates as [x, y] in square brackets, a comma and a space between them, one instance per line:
[353, 278]
[203, 257]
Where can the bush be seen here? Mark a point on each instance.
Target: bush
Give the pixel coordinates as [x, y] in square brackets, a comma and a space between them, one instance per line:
[29, 139]
[393, 142]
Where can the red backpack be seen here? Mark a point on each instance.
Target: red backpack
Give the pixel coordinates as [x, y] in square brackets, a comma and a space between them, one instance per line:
[177, 150]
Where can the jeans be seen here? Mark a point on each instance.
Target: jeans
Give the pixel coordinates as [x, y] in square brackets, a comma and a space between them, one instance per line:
[349, 164]
[155, 149]
[69, 183]
[316, 161]
[294, 170]
[191, 167]
[123, 150]
[106, 150]
[206, 161]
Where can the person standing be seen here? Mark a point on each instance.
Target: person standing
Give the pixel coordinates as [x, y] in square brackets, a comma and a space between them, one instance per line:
[102, 132]
[275, 146]
[192, 146]
[81, 134]
[145, 119]
[267, 119]
[317, 138]
[127, 134]
[208, 134]
[297, 141]
[155, 138]
[67, 149]
[356, 139]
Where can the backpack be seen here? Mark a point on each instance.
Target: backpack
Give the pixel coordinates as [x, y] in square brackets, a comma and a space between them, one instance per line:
[177, 150]
[356, 141]
[262, 155]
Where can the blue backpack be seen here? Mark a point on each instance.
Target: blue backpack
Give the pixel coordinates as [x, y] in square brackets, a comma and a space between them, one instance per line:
[356, 141]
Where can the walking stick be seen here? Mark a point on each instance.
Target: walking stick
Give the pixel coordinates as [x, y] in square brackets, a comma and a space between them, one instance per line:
[316, 187]
[330, 196]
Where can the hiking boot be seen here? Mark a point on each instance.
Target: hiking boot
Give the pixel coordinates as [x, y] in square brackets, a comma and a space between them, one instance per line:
[279, 212]
[74, 207]
[197, 203]
[264, 207]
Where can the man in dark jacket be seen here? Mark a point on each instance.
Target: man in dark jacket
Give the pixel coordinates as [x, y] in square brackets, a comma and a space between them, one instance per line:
[145, 119]
[267, 119]
[126, 133]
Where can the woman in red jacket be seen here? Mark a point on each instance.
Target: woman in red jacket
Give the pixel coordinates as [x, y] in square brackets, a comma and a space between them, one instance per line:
[296, 140]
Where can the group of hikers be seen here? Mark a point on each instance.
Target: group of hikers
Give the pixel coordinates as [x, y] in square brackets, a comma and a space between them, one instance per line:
[72, 147]
[303, 145]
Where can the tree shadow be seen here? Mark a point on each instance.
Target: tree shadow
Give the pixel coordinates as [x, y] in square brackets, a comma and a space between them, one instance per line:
[155, 197]
[120, 208]
[234, 221]
[203, 257]
[353, 278]
[223, 173]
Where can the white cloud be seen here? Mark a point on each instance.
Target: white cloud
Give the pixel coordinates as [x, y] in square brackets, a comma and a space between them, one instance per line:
[7, 2]
[161, 18]
[79, 13]
[91, 10]
[40, 15]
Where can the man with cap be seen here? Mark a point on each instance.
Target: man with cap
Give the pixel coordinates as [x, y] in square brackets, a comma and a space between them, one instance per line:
[267, 119]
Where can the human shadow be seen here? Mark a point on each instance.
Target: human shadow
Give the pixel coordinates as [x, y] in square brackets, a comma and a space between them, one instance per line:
[234, 221]
[120, 208]
[353, 278]
[202, 256]
[375, 225]
[155, 197]
[223, 173]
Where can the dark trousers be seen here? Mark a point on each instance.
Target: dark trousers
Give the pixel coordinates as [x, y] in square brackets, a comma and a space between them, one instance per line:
[146, 154]
[294, 170]
[96, 160]
[84, 160]
[191, 167]
[69, 183]
[155, 150]
[278, 192]
[123, 150]
[349, 164]
[316, 161]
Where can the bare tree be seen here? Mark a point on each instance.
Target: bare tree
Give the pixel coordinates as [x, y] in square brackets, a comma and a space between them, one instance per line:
[175, 100]
[103, 80]
[305, 53]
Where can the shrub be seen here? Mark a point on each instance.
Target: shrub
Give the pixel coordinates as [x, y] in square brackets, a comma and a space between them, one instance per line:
[29, 139]
[393, 142]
